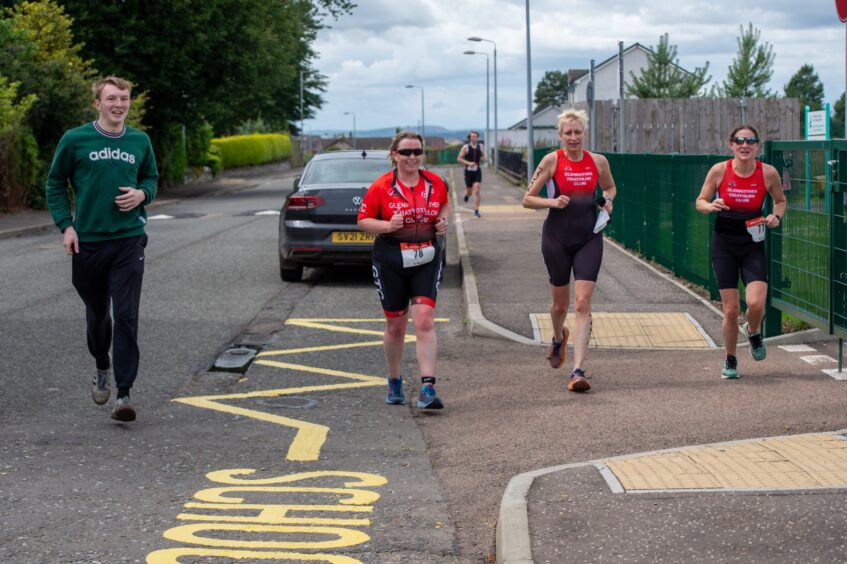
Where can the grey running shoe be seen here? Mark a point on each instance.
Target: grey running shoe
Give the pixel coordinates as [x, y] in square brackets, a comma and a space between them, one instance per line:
[395, 392]
[730, 368]
[578, 381]
[101, 386]
[757, 344]
[123, 410]
[557, 351]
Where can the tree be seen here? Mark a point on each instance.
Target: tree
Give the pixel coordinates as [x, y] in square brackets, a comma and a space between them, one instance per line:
[664, 78]
[807, 86]
[752, 68]
[836, 123]
[234, 60]
[19, 164]
[552, 90]
[37, 50]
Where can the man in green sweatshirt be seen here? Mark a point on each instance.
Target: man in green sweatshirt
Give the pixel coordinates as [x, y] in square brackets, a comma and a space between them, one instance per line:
[112, 171]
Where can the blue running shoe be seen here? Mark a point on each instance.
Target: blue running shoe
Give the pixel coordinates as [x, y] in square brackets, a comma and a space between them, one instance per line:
[428, 399]
[395, 392]
[730, 368]
[757, 344]
[476, 213]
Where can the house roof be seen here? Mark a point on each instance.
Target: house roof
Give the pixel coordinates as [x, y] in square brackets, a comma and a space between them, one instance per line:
[614, 58]
[522, 124]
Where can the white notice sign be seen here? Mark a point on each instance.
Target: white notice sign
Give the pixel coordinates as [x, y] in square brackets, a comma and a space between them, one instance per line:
[816, 126]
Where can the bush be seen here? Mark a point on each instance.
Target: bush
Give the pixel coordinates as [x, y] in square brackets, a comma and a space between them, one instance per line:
[19, 170]
[198, 140]
[19, 162]
[253, 126]
[170, 156]
[247, 150]
[214, 161]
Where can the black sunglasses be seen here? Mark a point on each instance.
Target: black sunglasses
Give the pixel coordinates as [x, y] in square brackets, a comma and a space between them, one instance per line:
[410, 152]
[742, 140]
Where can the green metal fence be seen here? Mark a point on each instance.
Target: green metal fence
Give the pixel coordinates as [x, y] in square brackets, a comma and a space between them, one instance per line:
[445, 156]
[808, 254]
[655, 215]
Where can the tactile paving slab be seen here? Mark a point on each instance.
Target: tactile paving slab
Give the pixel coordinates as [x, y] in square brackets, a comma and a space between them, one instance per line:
[797, 462]
[633, 330]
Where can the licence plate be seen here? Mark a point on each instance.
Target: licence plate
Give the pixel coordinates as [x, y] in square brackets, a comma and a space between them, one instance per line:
[352, 237]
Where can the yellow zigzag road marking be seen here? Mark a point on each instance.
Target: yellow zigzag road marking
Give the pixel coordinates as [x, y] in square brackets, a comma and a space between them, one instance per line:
[310, 437]
[409, 339]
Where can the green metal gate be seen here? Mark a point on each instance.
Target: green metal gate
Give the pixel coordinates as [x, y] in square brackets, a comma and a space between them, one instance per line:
[808, 254]
[655, 215]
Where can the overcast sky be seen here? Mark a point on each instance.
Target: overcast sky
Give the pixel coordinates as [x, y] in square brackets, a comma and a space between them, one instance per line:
[369, 55]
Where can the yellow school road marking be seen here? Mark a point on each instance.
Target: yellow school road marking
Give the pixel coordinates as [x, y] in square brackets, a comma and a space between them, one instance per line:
[226, 526]
[637, 330]
[309, 437]
[796, 462]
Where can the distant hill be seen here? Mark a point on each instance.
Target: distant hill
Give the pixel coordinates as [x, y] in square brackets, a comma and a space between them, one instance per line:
[389, 132]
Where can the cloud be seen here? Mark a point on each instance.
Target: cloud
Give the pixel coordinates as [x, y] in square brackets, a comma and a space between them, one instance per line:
[370, 55]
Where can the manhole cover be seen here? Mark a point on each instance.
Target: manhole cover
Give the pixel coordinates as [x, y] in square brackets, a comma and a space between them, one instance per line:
[235, 359]
[288, 402]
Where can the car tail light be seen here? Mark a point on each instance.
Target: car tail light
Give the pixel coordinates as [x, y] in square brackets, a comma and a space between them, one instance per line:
[301, 203]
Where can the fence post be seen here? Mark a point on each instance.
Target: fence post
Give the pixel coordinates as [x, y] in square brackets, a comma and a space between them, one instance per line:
[773, 317]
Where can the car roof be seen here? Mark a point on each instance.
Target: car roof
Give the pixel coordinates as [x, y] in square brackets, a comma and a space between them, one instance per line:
[352, 154]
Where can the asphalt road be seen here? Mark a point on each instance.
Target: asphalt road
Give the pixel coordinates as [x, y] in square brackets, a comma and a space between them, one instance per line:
[299, 458]
[75, 486]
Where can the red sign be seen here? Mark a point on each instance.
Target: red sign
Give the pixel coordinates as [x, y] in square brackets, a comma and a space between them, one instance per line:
[841, 8]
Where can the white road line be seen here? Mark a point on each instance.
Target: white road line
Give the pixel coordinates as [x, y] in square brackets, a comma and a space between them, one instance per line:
[797, 348]
[817, 359]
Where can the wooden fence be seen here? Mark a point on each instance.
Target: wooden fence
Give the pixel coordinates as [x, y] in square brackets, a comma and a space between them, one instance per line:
[691, 125]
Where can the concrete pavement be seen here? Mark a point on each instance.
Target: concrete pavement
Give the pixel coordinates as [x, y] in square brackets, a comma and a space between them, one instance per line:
[779, 499]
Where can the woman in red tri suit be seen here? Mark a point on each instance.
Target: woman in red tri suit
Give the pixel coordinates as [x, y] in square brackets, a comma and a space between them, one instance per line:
[569, 240]
[406, 208]
[738, 240]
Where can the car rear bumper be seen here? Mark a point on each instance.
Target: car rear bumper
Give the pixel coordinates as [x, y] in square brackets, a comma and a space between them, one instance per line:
[311, 244]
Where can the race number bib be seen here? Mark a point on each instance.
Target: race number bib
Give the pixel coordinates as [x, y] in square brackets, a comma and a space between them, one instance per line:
[416, 254]
[756, 229]
[472, 167]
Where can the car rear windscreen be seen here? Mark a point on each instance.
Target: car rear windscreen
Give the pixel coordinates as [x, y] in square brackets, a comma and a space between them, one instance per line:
[359, 171]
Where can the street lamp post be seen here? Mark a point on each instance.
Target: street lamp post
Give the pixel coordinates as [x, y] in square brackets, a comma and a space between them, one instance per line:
[530, 140]
[301, 113]
[487, 97]
[354, 126]
[423, 126]
[496, 143]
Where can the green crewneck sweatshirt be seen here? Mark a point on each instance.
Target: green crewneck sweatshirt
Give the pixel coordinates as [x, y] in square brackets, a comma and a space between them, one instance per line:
[96, 162]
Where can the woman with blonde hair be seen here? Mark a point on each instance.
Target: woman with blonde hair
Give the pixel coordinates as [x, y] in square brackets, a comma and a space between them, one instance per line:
[570, 243]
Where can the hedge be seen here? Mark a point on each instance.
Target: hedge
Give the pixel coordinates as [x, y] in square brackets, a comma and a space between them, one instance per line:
[246, 150]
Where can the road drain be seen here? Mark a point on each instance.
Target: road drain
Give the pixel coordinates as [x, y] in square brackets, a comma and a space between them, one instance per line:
[235, 359]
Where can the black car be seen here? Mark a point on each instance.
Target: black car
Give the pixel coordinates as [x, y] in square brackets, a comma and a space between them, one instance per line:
[317, 224]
